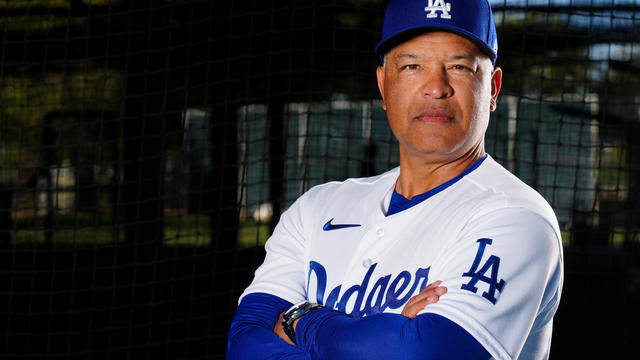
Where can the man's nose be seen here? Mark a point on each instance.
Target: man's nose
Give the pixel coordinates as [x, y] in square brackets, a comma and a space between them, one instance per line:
[436, 84]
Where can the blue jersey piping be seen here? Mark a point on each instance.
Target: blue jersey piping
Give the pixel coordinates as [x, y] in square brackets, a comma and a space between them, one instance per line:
[400, 203]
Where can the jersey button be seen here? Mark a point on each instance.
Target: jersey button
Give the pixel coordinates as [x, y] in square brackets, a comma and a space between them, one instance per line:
[367, 262]
[380, 232]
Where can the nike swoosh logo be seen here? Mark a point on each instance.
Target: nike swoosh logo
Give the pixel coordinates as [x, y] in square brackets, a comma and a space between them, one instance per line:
[329, 226]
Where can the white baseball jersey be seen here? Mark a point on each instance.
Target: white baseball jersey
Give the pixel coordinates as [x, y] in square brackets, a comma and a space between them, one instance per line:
[491, 239]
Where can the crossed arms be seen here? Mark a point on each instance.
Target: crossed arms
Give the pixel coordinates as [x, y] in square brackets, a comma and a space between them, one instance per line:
[256, 333]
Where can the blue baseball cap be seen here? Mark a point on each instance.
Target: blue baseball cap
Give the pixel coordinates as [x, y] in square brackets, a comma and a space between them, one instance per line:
[472, 19]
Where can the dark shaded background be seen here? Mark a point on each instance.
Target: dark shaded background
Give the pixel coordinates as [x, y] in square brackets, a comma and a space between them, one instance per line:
[147, 256]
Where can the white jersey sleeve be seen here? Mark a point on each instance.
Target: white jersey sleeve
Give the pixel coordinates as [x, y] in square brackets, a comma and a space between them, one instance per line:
[504, 277]
[283, 271]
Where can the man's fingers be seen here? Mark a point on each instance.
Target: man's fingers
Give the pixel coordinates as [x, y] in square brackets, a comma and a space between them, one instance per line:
[432, 285]
[424, 292]
[411, 311]
[432, 289]
[440, 290]
[421, 302]
[429, 295]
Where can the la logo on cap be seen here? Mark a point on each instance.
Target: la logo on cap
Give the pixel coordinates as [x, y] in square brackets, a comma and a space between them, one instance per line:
[438, 5]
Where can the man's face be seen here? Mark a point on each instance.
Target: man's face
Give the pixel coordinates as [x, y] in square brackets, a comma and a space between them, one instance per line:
[438, 89]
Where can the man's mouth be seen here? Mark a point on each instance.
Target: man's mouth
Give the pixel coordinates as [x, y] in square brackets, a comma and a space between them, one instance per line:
[438, 116]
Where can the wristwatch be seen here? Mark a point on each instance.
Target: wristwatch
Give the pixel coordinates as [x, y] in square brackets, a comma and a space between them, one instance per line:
[295, 312]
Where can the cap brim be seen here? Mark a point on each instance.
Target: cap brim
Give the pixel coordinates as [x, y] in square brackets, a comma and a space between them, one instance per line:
[385, 45]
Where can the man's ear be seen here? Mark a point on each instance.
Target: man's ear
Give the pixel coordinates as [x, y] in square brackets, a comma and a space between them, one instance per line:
[496, 84]
[380, 76]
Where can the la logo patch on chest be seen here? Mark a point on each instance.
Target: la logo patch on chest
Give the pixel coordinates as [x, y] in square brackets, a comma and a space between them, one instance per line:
[435, 6]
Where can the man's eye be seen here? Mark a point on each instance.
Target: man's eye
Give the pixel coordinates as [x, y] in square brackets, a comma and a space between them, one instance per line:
[460, 67]
[410, 67]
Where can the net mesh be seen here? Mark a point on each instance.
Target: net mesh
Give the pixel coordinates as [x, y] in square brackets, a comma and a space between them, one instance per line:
[147, 149]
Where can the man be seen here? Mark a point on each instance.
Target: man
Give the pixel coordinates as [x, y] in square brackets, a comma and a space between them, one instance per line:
[366, 248]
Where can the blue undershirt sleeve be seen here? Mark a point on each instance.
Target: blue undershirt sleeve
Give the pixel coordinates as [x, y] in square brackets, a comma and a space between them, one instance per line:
[251, 333]
[329, 334]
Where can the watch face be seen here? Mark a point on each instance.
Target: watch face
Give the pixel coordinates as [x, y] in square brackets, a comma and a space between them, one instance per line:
[294, 307]
[294, 313]
[297, 310]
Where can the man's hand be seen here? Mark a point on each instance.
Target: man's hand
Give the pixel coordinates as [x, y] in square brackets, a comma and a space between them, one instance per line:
[429, 295]
[279, 330]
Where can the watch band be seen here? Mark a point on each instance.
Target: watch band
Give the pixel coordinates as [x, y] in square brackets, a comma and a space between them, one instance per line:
[295, 312]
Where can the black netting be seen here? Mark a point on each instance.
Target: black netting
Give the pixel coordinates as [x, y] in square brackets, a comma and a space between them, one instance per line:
[147, 149]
